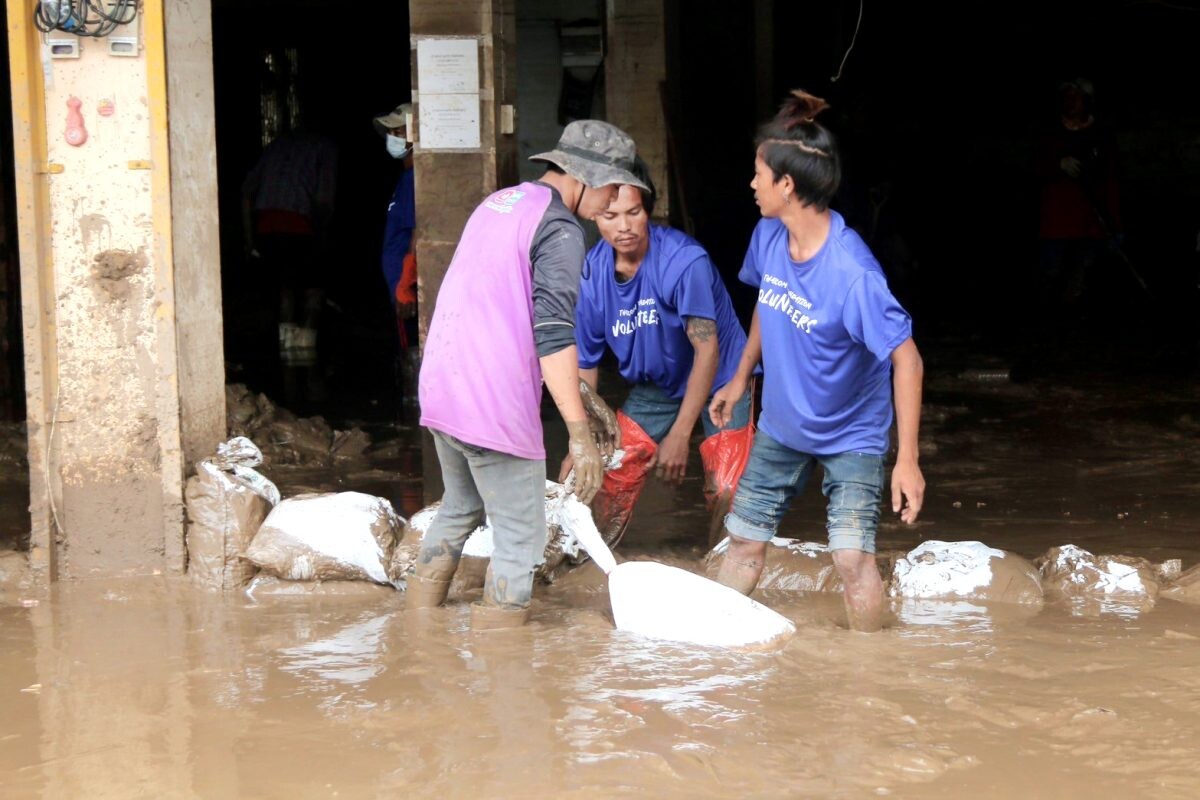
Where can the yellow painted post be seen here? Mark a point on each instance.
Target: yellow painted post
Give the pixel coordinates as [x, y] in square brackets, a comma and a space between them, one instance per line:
[167, 400]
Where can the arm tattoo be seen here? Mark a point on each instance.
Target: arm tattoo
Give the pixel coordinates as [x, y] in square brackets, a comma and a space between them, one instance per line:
[701, 330]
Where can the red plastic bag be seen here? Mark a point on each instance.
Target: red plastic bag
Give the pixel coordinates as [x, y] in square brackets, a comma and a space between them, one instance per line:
[724, 455]
[613, 506]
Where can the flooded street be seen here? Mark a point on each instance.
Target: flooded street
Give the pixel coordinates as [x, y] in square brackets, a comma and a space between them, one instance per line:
[147, 689]
[150, 688]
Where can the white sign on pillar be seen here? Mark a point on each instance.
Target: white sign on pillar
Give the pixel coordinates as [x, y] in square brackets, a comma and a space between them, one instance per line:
[448, 97]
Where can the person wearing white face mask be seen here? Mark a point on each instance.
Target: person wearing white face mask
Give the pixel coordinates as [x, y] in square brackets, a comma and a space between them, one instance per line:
[399, 263]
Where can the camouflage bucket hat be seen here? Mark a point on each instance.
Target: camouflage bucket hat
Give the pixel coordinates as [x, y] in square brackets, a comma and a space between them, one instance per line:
[594, 153]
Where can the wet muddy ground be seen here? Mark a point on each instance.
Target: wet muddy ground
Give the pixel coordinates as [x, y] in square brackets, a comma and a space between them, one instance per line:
[149, 688]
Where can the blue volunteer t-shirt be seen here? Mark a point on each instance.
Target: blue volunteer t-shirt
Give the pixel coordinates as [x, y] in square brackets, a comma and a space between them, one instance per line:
[829, 326]
[644, 321]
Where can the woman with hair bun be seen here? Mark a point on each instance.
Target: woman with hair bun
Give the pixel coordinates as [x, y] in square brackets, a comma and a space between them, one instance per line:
[835, 345]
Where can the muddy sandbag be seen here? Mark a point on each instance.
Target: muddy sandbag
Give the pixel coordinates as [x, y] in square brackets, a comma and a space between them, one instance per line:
[350, 446]
[303, 441]
[244, 410]
[286, 439]
[227, 501]
[561, 549]
[1072, 572]
[936, 570]
[343, 536]
[796, 566]
[1186, 587]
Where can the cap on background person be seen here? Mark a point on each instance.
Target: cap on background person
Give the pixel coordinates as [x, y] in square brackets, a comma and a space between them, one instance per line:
[398, 118]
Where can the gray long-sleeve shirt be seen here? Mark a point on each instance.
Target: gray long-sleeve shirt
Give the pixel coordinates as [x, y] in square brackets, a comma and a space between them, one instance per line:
[557, 255]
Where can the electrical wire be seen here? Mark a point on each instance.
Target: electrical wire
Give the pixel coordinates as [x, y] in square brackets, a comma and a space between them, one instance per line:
[853, 39]
[91, 18]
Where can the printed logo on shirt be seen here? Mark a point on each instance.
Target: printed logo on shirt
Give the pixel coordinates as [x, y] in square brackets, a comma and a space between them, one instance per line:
[796, 308]
[630, 319]
[503, 202]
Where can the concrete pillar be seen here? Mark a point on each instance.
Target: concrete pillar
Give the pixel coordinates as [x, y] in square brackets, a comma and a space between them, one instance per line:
[635, 69]
[450, 184]
[195, 249]
[123, 342]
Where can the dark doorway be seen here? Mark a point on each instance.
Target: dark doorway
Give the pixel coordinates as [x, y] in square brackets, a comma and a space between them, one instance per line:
[938, 128]
[278, 68]
[14, 479]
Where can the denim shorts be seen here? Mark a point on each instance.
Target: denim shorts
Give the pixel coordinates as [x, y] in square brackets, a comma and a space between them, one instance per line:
[652, 409]
[774, 475]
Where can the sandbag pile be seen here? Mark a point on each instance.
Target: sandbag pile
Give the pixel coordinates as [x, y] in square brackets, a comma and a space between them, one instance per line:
[226, 501]
[337, 536]
[937, 570]
[288, 440]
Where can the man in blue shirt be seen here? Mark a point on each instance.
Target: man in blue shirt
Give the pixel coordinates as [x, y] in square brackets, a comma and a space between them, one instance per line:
[652, 295]
[834, 345]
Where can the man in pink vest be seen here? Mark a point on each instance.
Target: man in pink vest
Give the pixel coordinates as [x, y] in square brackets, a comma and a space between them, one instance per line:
[504, 324]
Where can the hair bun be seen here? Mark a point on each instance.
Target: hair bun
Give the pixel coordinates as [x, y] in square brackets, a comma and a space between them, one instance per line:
[801, 108]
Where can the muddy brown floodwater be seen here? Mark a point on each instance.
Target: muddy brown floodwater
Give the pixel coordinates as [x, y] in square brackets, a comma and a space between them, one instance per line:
[148, 688]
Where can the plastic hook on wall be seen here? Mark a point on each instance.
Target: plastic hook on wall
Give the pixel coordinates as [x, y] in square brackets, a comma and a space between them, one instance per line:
[75, 134]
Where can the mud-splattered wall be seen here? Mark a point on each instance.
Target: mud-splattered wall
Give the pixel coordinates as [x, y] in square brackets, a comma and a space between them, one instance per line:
[130, 341]
[105, 444]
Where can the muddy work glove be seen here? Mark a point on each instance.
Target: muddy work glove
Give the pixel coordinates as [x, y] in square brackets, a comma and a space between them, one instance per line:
[601, 420]
[589, 467]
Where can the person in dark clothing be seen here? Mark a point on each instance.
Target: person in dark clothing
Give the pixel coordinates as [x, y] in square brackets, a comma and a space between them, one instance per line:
[287, 213]
[398, 258]
[1076, 167]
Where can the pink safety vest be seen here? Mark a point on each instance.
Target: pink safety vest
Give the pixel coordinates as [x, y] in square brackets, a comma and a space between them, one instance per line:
[481, 381]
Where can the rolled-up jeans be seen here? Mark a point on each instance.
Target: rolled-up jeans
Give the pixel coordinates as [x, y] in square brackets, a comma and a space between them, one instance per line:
[775, 473]
[507, 491]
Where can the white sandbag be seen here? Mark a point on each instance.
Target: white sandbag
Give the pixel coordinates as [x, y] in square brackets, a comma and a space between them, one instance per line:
[323, 537]
[227, 501]
[239, 455]
[1073, 572]
[664, 602]
[965, 570]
